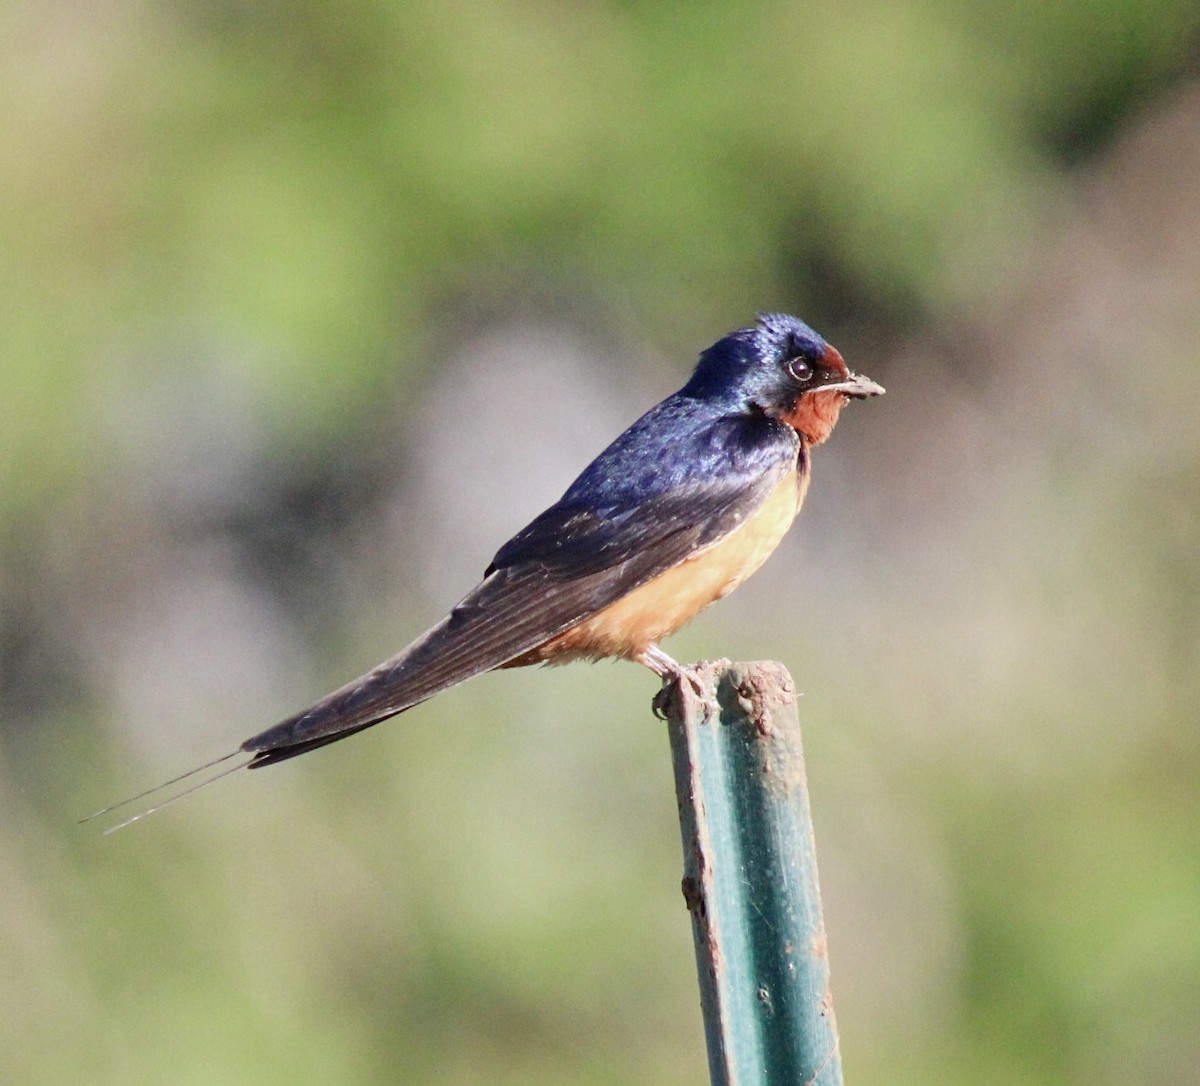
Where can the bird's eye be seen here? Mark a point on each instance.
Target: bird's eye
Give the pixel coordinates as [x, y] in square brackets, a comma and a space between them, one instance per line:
[801, 370]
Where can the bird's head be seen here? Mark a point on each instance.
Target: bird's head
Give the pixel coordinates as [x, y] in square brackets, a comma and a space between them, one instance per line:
[782, 368]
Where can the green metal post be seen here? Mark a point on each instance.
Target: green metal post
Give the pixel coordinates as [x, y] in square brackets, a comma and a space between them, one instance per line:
[750, 878]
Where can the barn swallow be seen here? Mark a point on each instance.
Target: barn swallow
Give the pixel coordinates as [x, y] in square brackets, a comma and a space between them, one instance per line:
[676, 513]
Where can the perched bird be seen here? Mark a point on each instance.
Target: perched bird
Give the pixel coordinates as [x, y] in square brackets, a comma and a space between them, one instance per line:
[676, 513]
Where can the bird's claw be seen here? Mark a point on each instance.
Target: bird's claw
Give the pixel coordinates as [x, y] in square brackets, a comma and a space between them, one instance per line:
[661, 704]
[662, 700]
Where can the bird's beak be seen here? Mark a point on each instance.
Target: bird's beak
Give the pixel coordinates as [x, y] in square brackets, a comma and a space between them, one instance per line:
[855, 386]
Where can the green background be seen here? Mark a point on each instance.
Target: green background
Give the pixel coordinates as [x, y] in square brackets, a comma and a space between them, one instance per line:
[305, 307]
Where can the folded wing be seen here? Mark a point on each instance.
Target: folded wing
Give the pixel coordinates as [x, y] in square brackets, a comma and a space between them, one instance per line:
[569, 563]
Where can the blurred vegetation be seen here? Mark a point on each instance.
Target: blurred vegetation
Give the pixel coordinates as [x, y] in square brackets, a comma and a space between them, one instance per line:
[304, 306]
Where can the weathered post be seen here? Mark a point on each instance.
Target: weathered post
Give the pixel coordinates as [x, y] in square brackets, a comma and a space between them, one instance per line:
[750, 878]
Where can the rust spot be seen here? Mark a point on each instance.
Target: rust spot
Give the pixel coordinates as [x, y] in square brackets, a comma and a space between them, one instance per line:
[761, 693]
[693, 896]
[819, 947]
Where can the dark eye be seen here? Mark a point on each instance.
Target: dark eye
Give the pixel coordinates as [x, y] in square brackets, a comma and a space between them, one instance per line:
[801, 370]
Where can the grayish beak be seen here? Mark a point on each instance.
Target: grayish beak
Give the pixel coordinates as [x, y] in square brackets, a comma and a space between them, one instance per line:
[856, 386]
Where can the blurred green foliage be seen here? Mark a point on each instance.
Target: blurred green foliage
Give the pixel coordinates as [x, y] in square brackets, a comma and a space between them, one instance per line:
[314, 179]
[243, 243]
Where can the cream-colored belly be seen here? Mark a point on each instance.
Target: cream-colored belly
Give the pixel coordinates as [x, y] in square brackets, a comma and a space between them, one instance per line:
[660, 607]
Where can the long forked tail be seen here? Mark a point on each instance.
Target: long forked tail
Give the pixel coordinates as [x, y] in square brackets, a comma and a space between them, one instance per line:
[384, 692]
[431, 664]
[251, 759]
[509, 613]
[161, 789]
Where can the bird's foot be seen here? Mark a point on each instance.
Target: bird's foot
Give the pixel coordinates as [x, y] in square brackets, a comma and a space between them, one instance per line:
[672, 674]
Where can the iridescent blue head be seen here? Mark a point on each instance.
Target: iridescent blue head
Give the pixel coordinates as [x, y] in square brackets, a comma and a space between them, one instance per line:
[782, 368]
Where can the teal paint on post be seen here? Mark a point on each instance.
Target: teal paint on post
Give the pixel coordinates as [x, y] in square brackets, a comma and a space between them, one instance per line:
[750, 879]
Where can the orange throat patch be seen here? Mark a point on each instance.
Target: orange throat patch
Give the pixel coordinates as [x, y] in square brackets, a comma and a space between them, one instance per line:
[816, 414]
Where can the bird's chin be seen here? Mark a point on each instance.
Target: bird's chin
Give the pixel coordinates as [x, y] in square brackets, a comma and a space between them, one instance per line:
[816, 413]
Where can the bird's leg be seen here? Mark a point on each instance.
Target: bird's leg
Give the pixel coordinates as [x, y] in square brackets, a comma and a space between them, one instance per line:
[671, 671]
